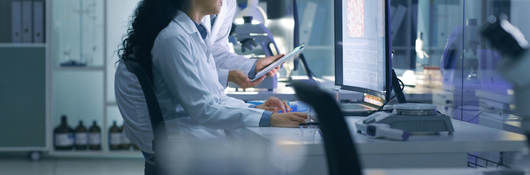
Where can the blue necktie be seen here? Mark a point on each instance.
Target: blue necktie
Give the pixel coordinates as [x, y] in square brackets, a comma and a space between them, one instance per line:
[202, 30]
[212, 19]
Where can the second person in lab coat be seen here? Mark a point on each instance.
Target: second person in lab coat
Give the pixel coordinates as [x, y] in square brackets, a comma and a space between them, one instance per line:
[230, 66]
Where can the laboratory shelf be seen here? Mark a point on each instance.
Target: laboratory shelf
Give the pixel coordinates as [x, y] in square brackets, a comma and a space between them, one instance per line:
[85, 68]
[96, 154]
[22, 45]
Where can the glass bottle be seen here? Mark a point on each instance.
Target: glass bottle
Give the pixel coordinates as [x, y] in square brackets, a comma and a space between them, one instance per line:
[94, 137]
[63, 135]
[81, 137]
[114, 137]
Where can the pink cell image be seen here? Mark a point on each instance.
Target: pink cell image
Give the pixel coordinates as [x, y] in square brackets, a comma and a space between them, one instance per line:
[355, 18]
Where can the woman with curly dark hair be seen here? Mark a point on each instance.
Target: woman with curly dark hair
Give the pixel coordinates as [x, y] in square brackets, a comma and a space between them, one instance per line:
[167, 39]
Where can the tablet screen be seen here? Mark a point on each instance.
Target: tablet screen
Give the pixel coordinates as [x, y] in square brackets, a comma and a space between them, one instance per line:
[280, 61]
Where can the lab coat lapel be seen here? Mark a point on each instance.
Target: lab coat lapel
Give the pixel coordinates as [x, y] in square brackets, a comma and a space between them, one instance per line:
[189, 26]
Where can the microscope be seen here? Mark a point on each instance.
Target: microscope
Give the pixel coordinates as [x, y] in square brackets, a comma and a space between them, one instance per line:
[255, 35]
[266, 28]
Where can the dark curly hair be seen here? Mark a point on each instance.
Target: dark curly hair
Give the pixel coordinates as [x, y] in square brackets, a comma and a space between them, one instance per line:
[150, 17]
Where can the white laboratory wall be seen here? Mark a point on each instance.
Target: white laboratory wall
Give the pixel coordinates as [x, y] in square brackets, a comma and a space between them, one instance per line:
[118, 15]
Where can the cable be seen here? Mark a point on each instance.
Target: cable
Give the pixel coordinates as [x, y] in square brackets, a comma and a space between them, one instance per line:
[401, 86]
[296, 42]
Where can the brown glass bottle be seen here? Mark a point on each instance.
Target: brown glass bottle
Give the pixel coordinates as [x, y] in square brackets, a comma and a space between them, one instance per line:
[81, 137]
[63, 135]
[94, 137]
[125, 142]
[114, 137]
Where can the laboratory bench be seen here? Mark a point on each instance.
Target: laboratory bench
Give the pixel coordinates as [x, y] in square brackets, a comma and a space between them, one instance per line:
[420, 151]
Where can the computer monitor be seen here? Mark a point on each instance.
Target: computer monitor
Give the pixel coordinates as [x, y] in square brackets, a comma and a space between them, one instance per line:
[363, 46]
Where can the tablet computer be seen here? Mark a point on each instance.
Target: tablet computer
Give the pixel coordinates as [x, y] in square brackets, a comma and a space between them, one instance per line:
[279, 62]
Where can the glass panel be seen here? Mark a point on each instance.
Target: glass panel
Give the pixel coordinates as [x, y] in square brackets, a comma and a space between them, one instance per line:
[440, 55]
[490, 96]
[77, 33]
[425, 35]
[316, 31]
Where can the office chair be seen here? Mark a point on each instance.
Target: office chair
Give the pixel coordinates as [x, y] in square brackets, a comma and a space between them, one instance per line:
[341, 154]
[155, 114]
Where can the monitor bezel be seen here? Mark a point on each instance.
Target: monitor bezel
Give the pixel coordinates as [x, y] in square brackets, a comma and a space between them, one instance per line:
[339, 81]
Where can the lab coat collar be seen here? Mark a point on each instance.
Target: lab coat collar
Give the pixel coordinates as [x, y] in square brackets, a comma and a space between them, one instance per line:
[185, 22]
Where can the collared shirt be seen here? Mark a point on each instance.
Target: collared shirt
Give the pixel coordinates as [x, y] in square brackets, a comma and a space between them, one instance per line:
[186, 84]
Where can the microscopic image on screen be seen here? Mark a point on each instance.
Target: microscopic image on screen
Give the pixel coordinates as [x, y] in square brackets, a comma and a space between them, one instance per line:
[355, 18]
[363, 44]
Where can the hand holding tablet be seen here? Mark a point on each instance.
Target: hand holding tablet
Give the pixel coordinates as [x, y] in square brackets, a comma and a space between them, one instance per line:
[279, 62]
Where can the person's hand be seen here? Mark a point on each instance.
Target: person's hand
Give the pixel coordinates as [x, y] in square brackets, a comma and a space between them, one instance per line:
[274, 104]
[242, 80]
[288, 120]
[264, 62]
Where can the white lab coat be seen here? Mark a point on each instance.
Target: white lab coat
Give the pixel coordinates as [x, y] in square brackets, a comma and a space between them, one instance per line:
[186, 84]
[218, 40]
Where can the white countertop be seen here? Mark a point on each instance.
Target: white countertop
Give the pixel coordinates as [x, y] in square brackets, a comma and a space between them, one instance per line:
[429, 171]
[466, 138]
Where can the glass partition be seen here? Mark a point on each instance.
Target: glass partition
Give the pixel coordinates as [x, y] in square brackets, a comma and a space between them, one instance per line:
[440, 55]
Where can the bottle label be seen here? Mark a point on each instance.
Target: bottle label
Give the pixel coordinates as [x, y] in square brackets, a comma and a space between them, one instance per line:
[125, 139]
[115, 138]
[94, 139]
[64, 139]
[81, 138]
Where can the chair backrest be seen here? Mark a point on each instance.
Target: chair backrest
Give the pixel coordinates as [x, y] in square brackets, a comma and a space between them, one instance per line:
[340, 149]
[155, 114]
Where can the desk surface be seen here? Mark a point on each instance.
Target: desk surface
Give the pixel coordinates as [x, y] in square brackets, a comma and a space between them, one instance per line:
[439, 171]
[466, 138]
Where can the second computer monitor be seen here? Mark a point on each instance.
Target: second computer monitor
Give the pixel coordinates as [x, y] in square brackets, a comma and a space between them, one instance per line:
[362, 46]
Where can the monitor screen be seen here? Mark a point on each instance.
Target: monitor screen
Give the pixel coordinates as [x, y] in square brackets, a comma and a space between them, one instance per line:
[362, 47]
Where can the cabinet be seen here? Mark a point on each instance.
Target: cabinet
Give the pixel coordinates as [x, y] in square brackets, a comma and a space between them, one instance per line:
[85, 37]
[22, 87]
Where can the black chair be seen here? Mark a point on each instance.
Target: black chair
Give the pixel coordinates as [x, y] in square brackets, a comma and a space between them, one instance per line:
[155, 114]
[341, 154]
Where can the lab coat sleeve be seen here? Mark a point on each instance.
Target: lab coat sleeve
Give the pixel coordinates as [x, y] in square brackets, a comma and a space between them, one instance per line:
[224, 58]
[265, 117]
[174, 60]
[223, 76]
